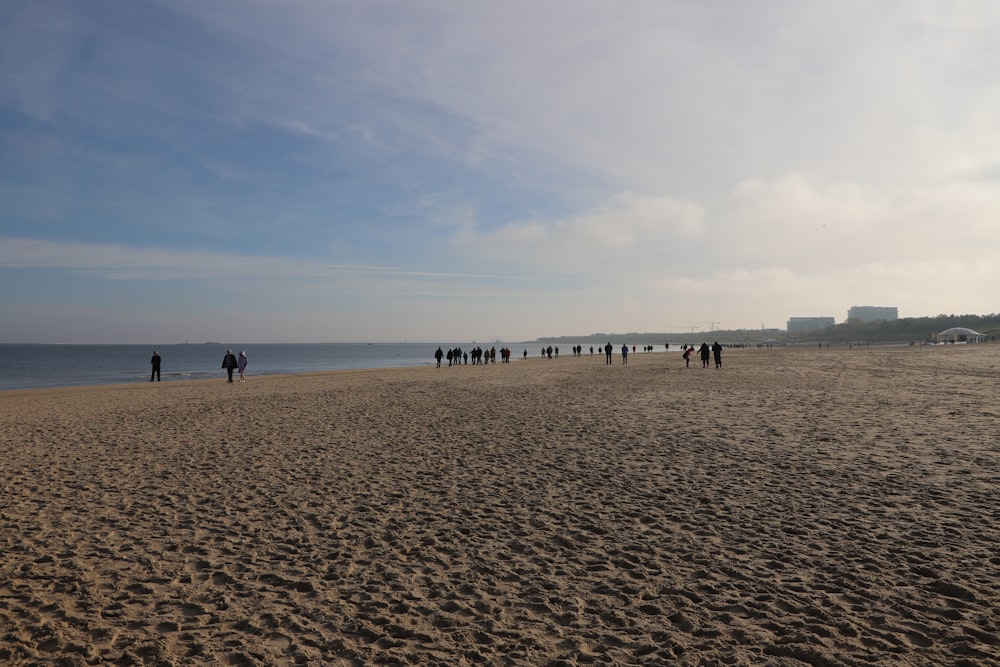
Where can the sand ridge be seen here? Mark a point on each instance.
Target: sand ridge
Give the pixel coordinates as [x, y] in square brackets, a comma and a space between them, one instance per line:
[799, 506]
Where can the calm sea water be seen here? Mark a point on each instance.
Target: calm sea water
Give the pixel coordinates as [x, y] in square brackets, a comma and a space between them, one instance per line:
[37, 366]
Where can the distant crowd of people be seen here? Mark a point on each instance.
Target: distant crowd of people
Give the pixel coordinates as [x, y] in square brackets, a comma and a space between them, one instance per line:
[456, 356]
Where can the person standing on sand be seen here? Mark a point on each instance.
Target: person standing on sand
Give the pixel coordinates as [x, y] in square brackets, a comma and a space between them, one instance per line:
[229, 363]
[241, 363]
[439, 355]
[687, 356]
[155, 361]
[705, 353]
[624, 355]
[607, 353]
[717, 351]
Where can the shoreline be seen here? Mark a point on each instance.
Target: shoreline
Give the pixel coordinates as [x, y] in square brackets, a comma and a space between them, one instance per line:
[516, 359]
[829, 507]
[281, 359]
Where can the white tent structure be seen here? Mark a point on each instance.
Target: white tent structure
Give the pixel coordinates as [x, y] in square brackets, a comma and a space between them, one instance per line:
[961, 335]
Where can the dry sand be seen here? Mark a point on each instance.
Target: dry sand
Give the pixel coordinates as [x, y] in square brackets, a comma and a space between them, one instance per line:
[834, 507]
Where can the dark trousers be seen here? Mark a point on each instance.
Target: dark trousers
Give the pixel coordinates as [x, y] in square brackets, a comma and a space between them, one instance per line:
[155, 374]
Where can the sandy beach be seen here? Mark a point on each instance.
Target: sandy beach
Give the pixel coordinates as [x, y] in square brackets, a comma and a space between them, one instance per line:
[797, 507]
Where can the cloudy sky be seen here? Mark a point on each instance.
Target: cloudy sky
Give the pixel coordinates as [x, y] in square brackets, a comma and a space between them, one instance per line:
[427, 170]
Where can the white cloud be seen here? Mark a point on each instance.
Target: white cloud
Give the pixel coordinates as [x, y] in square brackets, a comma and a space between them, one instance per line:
[119, 262]
[626, 223]
[814, 225]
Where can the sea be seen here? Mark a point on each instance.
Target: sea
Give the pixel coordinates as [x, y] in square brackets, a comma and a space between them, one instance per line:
[26, 366]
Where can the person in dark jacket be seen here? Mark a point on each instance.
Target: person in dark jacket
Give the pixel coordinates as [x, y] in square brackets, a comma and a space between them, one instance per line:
[704, 352]
[155, 361]
[717, 351]
[230, 363]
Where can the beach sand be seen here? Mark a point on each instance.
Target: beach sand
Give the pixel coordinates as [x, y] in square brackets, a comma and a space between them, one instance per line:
[797, 507]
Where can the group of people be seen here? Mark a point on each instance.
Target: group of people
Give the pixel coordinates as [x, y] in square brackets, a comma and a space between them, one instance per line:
[705, 352]
[479, 356]
[609, 350]
[230, 362]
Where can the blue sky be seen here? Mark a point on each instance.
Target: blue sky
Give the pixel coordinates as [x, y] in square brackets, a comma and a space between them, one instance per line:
[309, 171]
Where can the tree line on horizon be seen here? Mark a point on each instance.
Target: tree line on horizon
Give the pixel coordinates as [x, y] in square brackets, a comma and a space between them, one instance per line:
[904, 329]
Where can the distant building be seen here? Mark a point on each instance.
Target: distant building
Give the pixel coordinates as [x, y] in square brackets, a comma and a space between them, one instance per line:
[873, 313]
[800, 324]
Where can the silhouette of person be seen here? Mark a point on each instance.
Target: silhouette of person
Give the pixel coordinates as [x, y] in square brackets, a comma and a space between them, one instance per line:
[229, 363]
[717, 351]
[241, 363]
[155, 361]
[624, 355]
[607, 353]
[439, 355]
[705, 353]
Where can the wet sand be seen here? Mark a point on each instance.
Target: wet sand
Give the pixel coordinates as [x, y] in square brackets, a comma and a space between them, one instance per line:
[797, 507]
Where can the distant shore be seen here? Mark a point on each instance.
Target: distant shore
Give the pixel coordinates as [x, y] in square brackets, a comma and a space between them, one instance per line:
[798, 506]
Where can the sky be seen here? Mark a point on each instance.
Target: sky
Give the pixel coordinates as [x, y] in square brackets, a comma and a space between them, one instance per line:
[451, 171]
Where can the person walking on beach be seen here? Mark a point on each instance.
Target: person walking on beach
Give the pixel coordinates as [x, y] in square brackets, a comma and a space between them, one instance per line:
[155, 361]
[241, 364]
[687, 356]
[229, 363]
[607, 353]
[717, 351]
[705, 353]
[439, 355]
[624, 355]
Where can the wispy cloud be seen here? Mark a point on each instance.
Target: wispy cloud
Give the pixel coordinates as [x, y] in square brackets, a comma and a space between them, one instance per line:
[118, 262]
